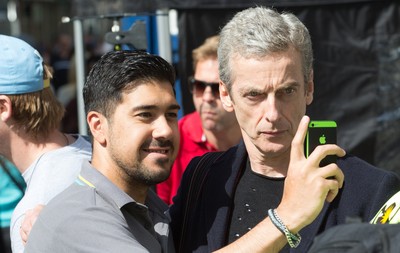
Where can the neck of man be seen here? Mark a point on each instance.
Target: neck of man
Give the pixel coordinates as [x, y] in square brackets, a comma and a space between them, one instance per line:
[101, 161]
[26, 149]
[222, 140]
[270, 165]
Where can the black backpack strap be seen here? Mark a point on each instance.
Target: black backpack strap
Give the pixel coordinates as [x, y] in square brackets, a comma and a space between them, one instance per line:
[196, 183]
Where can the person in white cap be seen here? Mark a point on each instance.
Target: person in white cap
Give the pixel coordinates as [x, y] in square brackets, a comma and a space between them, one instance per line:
[30, 117]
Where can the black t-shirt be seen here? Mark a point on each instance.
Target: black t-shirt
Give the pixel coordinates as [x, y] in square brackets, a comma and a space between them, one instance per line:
[254, 195]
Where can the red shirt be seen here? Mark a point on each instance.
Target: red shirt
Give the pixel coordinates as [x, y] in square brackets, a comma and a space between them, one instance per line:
[192, 143]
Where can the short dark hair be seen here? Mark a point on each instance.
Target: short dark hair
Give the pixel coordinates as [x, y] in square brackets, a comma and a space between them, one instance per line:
[120, 71]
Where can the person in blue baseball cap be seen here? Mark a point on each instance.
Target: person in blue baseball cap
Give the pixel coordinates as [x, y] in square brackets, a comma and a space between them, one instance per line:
[30, 117]
[21, 66]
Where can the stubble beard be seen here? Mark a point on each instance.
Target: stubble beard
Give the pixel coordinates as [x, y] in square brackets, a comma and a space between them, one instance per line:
[143, 174]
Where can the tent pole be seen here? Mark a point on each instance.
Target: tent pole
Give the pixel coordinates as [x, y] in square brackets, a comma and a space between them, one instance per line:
[163, 35]
[80, 75]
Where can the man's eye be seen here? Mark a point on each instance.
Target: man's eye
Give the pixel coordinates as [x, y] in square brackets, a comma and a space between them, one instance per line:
[289, 90]
[144, 114]
[253, 94]
[172, 115]
[286, 91]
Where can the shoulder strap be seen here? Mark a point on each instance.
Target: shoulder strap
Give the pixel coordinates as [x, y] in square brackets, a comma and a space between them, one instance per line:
[199, 175]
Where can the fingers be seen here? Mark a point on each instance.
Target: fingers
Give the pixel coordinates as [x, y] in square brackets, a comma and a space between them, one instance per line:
[323, 151]
[332, 171]
[25, 229]
[30, 219]
[330, 149]
[23, 235]
[307, 182]
[297, 150]
[332, 194]
[333, 180]
[334, 186]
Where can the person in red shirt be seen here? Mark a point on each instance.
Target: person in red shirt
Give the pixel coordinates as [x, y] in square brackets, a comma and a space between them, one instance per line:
[210, 127]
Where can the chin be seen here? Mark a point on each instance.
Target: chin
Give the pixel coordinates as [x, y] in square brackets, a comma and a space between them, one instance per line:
[151, 173]
[209, 126]
[163, 174]
[275, 149]
[159, 178]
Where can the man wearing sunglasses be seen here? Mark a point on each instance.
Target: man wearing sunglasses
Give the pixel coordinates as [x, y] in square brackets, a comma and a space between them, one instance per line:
[210, 127]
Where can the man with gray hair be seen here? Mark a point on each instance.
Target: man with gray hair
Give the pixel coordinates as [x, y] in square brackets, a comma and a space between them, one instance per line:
[264, 195]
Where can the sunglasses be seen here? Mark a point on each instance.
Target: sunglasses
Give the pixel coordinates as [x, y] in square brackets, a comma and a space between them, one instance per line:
[198, 87]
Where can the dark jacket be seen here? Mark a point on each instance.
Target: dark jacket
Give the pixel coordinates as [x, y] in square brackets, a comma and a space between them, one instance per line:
[366, 189]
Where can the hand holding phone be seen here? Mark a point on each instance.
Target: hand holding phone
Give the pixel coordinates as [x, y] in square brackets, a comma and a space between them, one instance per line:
[320, 132]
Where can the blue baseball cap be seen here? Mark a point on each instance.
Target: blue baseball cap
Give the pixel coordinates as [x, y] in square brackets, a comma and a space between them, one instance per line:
[21, 69]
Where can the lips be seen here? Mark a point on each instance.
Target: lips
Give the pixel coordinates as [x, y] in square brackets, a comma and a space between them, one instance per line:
[158, 147]
[156, 150]
[207, 109]
[208, 113]
[273, 133]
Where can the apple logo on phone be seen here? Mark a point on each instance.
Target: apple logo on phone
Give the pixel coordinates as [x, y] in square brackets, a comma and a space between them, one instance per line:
[322, 139]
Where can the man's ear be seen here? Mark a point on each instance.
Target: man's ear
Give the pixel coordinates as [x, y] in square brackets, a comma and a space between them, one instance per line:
[225, 97]
[5, 108]
[310, 88]
[98, 125]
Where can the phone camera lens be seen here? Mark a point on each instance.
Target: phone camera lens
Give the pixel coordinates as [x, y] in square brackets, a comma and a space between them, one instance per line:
[312, 124]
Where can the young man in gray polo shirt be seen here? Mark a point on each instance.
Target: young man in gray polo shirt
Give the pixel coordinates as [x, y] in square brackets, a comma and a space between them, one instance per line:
[132, 114]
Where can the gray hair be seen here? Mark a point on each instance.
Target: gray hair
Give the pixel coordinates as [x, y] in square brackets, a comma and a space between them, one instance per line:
[259, 31]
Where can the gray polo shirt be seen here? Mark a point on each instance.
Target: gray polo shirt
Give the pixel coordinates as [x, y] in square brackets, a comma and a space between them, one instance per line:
[94, 215]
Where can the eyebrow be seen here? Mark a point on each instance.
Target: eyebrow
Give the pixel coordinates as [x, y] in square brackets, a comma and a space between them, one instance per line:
[154, 107]
[289, 84]
[245, 90]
